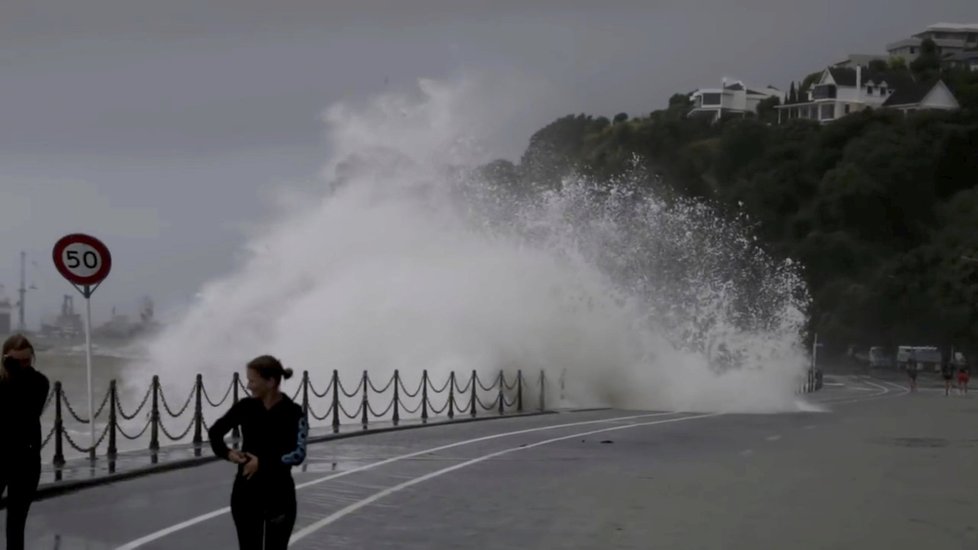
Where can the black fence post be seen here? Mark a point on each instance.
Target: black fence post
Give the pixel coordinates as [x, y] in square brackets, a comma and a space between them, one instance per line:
[59, 428]
[397, 398]
[519, 390]
[502, 398]
[235, 431]
[364, 419]
[336, 401]
[424, 397]
[543, 405]
[451, 395]
[113, 397]
[198, 415]
[472, 409]
[305, 394]
[154, 437]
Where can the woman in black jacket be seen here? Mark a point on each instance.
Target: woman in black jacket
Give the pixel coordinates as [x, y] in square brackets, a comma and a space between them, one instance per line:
[23, 393]
[274, 432]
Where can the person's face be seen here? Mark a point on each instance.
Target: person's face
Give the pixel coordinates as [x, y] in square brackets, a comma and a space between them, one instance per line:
[258, 386]
[19, 358]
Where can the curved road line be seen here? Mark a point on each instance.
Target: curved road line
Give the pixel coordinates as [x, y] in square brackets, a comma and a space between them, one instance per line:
[216, 513]
[886, 393]
[340, 514]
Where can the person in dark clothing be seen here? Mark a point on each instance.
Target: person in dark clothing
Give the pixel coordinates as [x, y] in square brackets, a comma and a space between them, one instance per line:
[912, 373]
[274, 431]
[964, 374]
[947, 372]
[23, 394]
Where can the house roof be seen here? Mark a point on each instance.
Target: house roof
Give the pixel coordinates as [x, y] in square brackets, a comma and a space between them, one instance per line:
[862, 59]
[917, 41]
[910, 93]
[737, 86]
[845, 76]
[953, 27]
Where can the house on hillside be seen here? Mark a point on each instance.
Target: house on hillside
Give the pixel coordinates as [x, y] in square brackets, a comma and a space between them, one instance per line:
[950, 38]
[734, 99]
[841, 91]
[920, 96]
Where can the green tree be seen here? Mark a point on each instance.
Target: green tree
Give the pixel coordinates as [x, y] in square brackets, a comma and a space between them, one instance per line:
[898, 63]
[766, 109]
[879, 66]
[680, 101]
[927, 66]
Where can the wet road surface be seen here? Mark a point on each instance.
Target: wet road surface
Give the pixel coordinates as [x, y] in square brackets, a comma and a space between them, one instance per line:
[881, 469]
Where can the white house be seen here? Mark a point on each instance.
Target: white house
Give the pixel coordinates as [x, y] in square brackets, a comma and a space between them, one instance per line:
[922, 95]
[734, 99]
[950, 38]
[841, 91]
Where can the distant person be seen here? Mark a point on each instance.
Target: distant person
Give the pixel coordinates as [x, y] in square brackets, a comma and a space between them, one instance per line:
[23, 393]
[964, 374]
[912, 373]
[947, 372]
[274, 432]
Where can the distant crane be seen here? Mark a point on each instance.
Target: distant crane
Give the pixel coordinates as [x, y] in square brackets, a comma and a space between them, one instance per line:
[22, 292]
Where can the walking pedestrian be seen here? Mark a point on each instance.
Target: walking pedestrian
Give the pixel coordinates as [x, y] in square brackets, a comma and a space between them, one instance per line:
[964, 374]
[23, 394]
[912, 373]
[947, 372]
[274, 432]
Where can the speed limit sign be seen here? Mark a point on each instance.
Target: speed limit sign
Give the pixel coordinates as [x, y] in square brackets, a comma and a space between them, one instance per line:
[83, 260]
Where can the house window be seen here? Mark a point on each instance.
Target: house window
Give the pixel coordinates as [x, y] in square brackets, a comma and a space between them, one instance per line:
[847, 108]
[869, 90]
[913, 50]
[882, 90]
[827, 111]
[711, 99]
[824, 91]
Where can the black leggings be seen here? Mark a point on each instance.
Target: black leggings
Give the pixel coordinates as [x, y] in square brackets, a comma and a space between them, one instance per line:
[263, 509]
[19, 478]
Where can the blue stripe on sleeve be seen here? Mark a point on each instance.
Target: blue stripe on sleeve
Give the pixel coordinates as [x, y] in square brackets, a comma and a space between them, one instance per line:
[297, 456]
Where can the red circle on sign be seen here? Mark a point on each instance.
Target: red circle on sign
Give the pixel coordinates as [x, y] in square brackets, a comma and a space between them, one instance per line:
[104, 260]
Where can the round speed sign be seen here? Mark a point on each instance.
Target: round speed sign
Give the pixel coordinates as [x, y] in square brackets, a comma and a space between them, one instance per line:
[82, 259]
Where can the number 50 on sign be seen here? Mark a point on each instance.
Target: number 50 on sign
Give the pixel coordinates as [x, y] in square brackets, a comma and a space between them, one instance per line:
[83, 260]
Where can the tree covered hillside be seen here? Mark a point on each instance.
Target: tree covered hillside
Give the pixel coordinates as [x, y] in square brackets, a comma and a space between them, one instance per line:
[880, 208]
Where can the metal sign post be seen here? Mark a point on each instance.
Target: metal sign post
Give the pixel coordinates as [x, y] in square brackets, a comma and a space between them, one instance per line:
[85, 262]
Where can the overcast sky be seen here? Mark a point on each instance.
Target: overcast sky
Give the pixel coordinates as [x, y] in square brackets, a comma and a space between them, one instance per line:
[156, 125]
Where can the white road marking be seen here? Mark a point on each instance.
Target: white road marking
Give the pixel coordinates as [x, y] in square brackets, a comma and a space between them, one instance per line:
[887, 392]
[773, 437]
[340, 514]
[210, 515]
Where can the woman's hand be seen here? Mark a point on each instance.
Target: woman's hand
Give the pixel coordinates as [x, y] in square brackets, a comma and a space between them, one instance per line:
[237, 456]
[251, 466]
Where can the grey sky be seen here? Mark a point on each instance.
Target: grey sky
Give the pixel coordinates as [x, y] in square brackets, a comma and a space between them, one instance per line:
[156, 125]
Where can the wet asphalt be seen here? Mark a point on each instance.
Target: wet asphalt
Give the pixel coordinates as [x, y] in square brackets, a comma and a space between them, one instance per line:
[879, 468]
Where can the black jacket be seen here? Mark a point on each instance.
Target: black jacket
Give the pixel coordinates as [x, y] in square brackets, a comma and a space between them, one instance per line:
[23, 393]
[277, 436]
